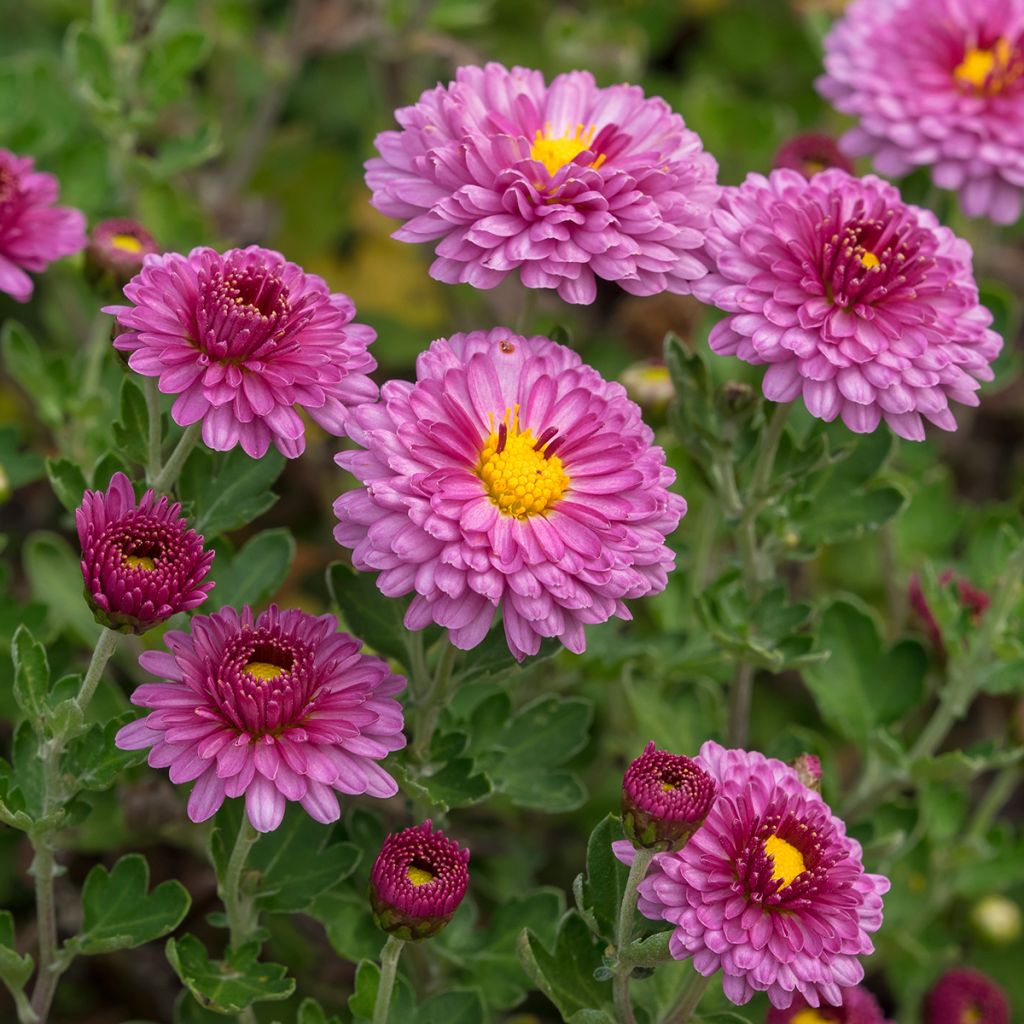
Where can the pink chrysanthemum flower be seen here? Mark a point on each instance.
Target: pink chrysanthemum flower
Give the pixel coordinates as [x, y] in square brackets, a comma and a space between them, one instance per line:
[770, 890]
[512, 476]
[140, 561]
[563, 182]
[275, 707]
[243, 338]
[418, 881]
[665, 798]
[859, 1007]
[862, 305]
[939, 84]
[33, 232]
[966, 996]
[811, 153]
[117, 250]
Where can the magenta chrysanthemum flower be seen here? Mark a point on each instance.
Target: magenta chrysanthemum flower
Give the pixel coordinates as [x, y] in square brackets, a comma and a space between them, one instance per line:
[859, 1007]
[33, 232]
[939, 84]
[277, 707]
[861, 304]
[512, 476]
[965, 996]
[563, 182]
[770, 890]
[141, 563]
[665, 798]
[117, 250]
[811, 153]
[243, 338]
[418, 881]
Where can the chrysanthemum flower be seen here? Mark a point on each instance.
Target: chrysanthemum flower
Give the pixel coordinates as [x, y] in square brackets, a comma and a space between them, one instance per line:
[770, 890]
[811, 153]
[275, 707]
[966, 996]
[418, 881]
[862, 305]
[512, 476]
[117, 249]
[859, 1007]
[939, 84]
[243, 338]
[141, 563]
[33, 232]
[665, 798]
[563, 182]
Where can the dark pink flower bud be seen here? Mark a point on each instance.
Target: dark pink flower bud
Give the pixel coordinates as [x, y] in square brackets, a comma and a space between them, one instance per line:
[808, 771]
[116, 252]
[418, 881]
[965, 995]
[859, 1007]
[665, 799]
[811, 153]
[974, 601]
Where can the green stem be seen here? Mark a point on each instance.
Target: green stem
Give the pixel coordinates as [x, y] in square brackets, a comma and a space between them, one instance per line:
[106, 644]
[999, 791]
[430, 705]
[154, 448]
[98, 346]
[740, 696]
[168, 476]
[388, 968]
[241, 912]
[624, 934]
[688, 1001]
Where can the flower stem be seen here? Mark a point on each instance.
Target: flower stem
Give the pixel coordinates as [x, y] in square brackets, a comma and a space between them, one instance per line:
[624, 934]
[106, 644]
[430, 704]
[388, 967]
[154, 447]
[688, 1000]
[740, 696]
[168, 475]
[241, 912]
[97, 347]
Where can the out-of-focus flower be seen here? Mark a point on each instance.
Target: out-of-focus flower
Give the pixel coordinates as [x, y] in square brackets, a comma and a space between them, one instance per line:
[997, 920]
[811, 153]
[962, 995]
[862, 305]
[770, 890]
[509, 475]
[564, 183]
[648, 384]
[665, 799]
[939, 84]
[140, 561]
[418, 881]
[243, 339]
[859, 1007]
[974, 601]
[116, 251]
[808, 770]
[33, 232]
[275, 707]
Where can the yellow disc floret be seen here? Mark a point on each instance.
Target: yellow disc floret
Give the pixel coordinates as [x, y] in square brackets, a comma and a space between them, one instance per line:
[868, 260]
[788, 860]
[989, 70]
[809, 1016]
[554, 152]
[418, 876]
[521, 474]
[264, 670]
[126, 243]
[139, 562]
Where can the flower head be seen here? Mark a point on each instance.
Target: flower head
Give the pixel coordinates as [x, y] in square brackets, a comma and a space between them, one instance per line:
[812, 153]
[243, 338]
[862, 305]
[859, 1007]
[418, 881]
[770, 890]
[564, 183]
[140, 561]
[508, 475]
[939, 84]
[275, 707]
[116, 251]
[965, 996]
[33, 232]
[665, 798]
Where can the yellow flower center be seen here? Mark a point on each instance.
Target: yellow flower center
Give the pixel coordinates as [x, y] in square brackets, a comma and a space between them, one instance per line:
[809, 1016]
[264, 670]
[418, 876]
[554, 152]
[127, 243]
[990, 70]
[868, 260]
[520, 473]
[788, 860]
[139, 562]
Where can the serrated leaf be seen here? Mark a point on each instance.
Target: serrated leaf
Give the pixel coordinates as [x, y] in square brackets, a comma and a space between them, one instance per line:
[15, 968]
[229, 491]
[456, 784]
[55, 579]
[19, 466]
[605, 878]
[131, 431]
[311, 1012]
[255, 572]
[31, 674]
[94, 762]
[68, 482]
[374, 618]
[363, 999]
[346, 917]
[26, 364]
[459, 1006]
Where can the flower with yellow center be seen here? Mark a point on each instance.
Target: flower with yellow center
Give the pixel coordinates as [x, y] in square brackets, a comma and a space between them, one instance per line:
[989, 70]
[264, 670]
[522, 475]
[139, 562]
[788, 861]
[554, 152]
[126, 243]
[418, 876]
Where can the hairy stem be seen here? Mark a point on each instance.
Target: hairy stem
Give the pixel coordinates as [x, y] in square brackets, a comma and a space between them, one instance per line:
[168, 476]
[154, 443]
[624, 934]
[241, 911]
[106, 644]
[740, 696]
[430, 704]
[688, 1001]
[388, 968]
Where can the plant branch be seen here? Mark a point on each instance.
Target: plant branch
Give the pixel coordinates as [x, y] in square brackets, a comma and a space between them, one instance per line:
[106, 644]
[154, 443]
[688, 1001]
[624, 934]
[389, 956]
[168, 476]
[241, 911]
[429, 705]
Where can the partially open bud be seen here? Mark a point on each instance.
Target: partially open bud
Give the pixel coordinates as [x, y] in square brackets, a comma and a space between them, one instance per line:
[115, 253]
[808, 771]
[417, 882]
[963, 995]
[648, 384]
[997, 920]
[811, 153]
[665, 799]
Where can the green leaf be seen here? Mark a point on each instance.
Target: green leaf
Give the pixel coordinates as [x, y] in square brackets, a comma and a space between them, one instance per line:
[838, 517]
[231, 985]
[26, 364]
[492, 658]
[456, 784]
[459, 1006]
[346, 917]
[68, 482]
[31, 675]
[605, 880]
[364, 998]
[374, 618]
[119, 913]
[19, 466]
[169, 61]
[229, 491]
[55, 579]
[94, 762]
[131, 431]
[15, 968]
[311, 1012]
[90, 65]
[255, 572]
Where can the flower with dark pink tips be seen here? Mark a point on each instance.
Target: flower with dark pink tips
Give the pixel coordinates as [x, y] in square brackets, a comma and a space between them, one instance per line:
[937, 84]
[244, 339]
[964, 995]
[141, 562]
[811, 153]
[665, 798]
[770, 890]
[563, 183]
[859, 1007]
[274, 707]
[33, 232]
[508, 475]
[418, 881]
[862, 305]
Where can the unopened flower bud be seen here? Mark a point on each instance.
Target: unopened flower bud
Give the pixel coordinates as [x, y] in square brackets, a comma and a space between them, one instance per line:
[972, 600]
[997, 920]
[811, 153]
[115, 253]
[808, 771]
[735, 397]
[648, 384]
[665, 799]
